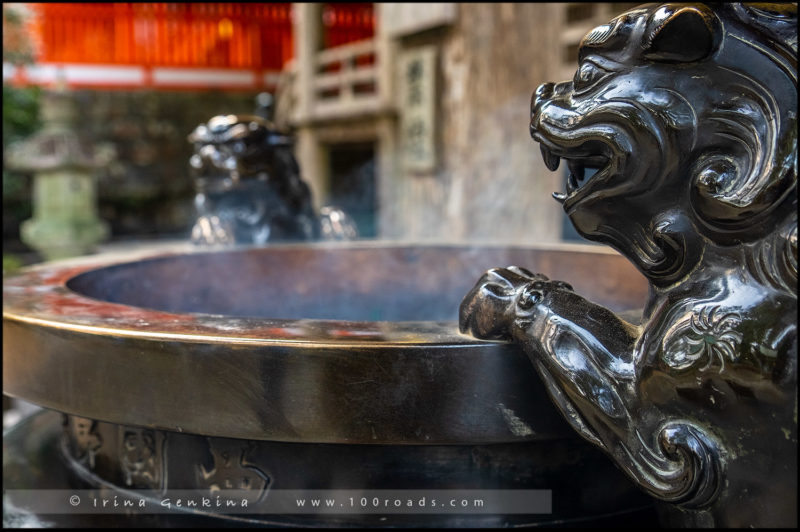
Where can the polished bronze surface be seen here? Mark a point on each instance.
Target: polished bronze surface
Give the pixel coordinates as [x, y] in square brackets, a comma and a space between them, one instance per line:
[316, 343]
[688, 115]
[315, 366]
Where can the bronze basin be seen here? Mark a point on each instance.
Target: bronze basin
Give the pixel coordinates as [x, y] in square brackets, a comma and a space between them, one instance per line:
[351, 350]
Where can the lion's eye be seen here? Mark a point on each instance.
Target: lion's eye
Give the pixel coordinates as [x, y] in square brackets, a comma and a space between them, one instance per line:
[587, 75]
[530, 296]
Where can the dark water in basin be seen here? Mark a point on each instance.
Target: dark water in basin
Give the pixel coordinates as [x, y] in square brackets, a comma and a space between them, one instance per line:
[369, 283]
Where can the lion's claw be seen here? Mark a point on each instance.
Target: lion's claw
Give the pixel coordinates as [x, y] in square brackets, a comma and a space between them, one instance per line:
[489, 310]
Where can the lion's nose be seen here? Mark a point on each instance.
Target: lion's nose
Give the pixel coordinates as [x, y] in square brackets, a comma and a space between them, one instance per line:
[544, 91]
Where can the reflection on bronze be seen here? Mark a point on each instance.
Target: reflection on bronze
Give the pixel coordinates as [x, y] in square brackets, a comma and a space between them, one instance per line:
[689, 115]
[249, 189]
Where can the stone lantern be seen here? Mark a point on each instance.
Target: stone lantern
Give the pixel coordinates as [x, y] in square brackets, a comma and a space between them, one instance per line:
[65, 221]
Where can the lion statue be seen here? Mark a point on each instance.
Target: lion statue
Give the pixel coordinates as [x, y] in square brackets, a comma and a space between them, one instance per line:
[249, 190]
[687, 114]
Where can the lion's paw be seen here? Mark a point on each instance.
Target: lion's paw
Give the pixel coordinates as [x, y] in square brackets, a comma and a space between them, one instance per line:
[500, 296]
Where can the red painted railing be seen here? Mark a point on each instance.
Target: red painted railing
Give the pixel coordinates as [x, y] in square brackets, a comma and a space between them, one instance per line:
[152, 37]
[235, 35]
[347, 22]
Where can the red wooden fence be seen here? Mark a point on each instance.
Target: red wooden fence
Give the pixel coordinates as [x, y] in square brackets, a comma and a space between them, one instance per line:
[255, 37]
[347, 22]
[236, 35]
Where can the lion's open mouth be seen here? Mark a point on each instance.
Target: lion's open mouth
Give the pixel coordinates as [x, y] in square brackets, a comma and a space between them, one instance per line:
[584, 162]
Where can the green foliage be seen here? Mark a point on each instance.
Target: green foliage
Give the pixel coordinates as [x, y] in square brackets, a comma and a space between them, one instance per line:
[20, 120]
[20, 113]
[11, 263]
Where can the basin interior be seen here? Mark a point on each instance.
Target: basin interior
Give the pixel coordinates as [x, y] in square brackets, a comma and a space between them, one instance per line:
[355, 283]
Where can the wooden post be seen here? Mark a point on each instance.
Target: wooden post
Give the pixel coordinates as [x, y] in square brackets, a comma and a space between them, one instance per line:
[389, 202]
[385, 49]
[307, 40]
[311, 155]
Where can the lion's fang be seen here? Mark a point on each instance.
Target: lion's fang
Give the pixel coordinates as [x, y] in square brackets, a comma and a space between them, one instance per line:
[550, 160]
[576, 168]
[572, 182]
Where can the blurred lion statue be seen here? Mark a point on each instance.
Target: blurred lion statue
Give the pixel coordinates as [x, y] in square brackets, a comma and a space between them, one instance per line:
[249, 189]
